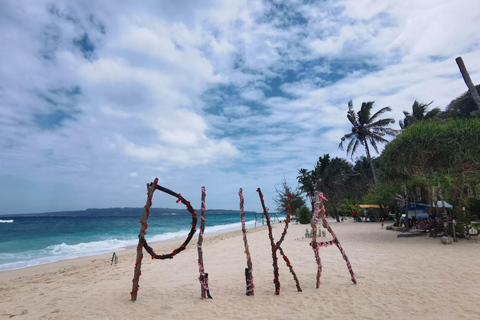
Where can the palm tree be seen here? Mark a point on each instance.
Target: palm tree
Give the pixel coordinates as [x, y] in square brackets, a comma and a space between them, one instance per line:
[366, 130]
[307, 181]
[419, 113]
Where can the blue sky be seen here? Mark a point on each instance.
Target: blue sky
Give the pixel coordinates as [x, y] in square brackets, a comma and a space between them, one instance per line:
[97, 98]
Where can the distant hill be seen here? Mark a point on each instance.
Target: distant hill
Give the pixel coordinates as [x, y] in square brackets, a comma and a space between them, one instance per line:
[129, 212]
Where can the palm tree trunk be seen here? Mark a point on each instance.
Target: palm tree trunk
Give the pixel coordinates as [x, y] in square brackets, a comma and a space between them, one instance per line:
[468, 82]
[371, 164]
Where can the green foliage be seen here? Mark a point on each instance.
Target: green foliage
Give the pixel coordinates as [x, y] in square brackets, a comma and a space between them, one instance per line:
[308, 183]
[281, 198]
[305, 215]
[473, 205]
[349, 204]
[425, 147]
[384, 196]
[331, 175]
[462, 107]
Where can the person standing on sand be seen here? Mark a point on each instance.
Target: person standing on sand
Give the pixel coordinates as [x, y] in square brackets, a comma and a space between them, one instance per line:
[354, 215]
[365, 213]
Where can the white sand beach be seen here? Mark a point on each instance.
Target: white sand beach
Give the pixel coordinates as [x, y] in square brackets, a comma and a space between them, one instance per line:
[408, 278]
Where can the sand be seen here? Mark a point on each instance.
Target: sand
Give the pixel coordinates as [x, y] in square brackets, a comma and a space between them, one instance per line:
[398, 278]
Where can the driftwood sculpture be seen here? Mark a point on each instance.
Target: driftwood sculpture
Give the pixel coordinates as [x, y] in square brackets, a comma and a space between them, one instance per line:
[320, 210]
[276, 246]
[142, 243]
[250, 291]
[203, 278]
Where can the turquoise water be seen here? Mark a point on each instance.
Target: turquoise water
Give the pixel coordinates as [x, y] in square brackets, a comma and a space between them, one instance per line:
[33, 239]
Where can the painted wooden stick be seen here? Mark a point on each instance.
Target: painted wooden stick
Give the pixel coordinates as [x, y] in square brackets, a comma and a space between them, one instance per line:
[272, 243]
[203, 278]
[250, 287]
[289, 265]
[277, 245]
[141, 238]
[313, 243]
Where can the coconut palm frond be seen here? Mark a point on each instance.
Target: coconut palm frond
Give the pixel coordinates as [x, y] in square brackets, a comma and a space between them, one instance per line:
[364, 113]
[378, 138]
[374, 144]
[357, 142]
[378, 113]
[380, 123]
[391, 132]
[345, 137]
[349, 147]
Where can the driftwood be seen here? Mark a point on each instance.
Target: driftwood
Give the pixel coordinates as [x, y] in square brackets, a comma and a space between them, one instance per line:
[203, 278]
[320, 210]
[250, 287]
[411, 234]
[276, 246]
[142, 243]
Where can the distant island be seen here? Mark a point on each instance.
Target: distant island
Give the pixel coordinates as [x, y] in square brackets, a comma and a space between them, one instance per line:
[125, 212]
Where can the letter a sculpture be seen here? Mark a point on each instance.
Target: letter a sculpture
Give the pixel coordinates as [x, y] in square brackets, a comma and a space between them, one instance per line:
[320, 210]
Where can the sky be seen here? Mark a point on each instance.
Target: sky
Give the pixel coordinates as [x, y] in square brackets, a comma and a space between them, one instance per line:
[97, 98]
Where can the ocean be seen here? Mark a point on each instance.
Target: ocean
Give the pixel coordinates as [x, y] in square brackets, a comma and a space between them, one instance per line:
[33, 239]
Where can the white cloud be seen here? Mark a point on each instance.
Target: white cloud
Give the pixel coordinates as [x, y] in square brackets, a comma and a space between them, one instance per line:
[252, 94]
[241, 111]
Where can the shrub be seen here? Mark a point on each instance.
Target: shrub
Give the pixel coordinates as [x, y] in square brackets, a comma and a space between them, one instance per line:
[305, 215]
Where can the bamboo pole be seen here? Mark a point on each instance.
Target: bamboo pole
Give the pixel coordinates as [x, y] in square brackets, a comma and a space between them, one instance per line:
[250, 287]
[141, 238]
[203, 278]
